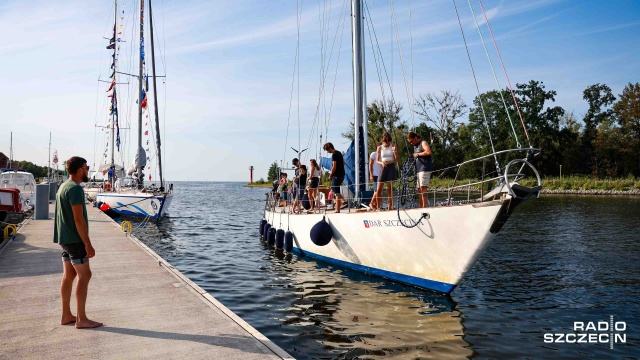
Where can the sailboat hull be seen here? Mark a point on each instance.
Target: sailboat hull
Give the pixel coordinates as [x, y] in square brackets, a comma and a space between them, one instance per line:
[137, 204]
[435, 254]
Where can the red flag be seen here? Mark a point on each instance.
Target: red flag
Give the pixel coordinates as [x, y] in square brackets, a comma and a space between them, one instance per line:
[149, 177]
[146, 132]
[144, 103]
[145, 124]
[112, 85]
[110, 95]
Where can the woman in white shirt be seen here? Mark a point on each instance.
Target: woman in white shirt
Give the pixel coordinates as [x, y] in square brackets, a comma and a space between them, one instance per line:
[387, 158]
[314, 182]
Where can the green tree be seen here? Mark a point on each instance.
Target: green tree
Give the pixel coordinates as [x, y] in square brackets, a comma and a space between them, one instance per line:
[600, 99]
[274, 172]
[627, 110]
[37, 171]
[541, 121]
[383, 116]
[442, 110]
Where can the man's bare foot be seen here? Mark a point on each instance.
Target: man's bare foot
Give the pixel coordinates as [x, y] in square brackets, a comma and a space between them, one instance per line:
[87, 324]
[70, 319]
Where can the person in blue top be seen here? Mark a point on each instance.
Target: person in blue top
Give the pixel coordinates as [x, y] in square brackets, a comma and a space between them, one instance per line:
[71, 231]
[424, 165]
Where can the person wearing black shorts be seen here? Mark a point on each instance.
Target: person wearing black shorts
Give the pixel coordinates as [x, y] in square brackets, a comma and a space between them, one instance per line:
[387, 156]
[314, 183]
[336, 175]
[71, 231]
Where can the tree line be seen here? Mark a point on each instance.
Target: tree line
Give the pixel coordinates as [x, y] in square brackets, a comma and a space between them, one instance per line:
[37, 171]
[605, 142]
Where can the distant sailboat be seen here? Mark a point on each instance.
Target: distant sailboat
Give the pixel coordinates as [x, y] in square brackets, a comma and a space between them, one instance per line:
[128, 195]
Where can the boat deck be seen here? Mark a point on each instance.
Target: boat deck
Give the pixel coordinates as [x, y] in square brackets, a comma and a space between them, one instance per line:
[149, 308]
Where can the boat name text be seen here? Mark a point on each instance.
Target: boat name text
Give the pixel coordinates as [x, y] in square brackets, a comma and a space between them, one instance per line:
[389, 223]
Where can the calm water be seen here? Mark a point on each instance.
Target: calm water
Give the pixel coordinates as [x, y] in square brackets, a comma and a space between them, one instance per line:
[558, 260]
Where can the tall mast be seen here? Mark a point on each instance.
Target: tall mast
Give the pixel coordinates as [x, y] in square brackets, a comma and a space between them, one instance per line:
[113, 100]
[358, 93]
[155, 99]
[49, 167]
[365, 116]
[11, 151]
[140, 154]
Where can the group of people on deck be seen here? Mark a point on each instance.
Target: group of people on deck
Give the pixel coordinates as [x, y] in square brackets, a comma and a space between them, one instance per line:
[382, 172]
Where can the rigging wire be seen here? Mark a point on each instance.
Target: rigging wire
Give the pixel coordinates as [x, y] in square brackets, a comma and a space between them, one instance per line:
[335, 77]
[299, 145]
[495, 157]
[293, 81]
[404, 74]
[321, 93]
[505, 74]
[413, 124]
[495, 76]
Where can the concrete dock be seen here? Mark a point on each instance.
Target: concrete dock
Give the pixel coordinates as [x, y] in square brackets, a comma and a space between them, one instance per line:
[150, 310]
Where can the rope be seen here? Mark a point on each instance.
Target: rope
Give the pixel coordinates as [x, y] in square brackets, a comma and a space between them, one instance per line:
[495, 76]
[477, 87]
[403, 196]
[505, 74]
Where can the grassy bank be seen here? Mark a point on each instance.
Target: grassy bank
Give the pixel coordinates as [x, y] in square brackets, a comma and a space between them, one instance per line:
[569, 184]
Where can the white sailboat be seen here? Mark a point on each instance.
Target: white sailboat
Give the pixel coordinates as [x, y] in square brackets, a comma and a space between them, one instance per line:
[431, 248]
[129, 196]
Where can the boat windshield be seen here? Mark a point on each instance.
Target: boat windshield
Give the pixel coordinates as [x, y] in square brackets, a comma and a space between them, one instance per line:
[125, 182]
[21, 181]
[6, 198]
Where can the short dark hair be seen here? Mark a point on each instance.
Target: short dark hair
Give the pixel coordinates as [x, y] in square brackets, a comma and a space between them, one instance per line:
[412, 135]
[295, 161]
[328, 146]
[74, 164]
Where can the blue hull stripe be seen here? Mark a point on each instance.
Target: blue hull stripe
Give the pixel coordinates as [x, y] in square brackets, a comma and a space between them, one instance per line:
[406, 279]
[141, 212]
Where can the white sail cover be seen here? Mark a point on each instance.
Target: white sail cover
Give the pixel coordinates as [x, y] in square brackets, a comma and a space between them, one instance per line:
[139, 162]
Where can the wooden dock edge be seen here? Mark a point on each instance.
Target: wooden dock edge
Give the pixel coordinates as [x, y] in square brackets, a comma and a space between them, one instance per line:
[205, 296]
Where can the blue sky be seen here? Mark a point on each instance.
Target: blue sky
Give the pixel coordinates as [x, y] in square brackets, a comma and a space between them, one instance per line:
[230, 69]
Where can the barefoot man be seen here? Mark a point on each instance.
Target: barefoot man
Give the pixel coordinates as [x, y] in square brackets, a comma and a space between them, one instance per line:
[71, 231]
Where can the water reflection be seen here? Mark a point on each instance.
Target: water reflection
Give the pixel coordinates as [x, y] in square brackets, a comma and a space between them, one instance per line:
[354, 316]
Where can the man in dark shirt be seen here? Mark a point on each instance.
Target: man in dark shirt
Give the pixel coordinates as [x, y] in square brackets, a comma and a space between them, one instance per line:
[337, 173]
[71, 231]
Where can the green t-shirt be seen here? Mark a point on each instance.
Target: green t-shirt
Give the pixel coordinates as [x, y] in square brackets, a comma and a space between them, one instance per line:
[64, 231]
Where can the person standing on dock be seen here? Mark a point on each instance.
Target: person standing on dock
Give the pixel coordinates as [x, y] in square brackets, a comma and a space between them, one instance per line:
[71, 231]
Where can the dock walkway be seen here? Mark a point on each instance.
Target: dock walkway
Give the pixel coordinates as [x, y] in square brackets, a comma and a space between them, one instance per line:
[150, 310]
